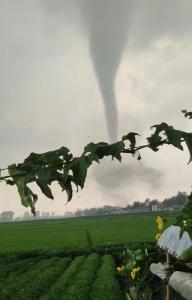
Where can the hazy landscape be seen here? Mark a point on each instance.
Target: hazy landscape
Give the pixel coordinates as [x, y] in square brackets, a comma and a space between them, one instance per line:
[95, 148]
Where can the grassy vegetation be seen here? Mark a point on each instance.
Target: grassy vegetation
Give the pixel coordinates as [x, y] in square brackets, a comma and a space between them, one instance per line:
[66, 258]
[33, 280]
[82, 283]
[63, 279]
[63, 282]
[72, 233]
[106, 286]
[16, 268]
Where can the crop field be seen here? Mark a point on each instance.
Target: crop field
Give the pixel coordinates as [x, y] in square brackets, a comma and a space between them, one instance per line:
[84, 277]
[72, 259]
[77, 233]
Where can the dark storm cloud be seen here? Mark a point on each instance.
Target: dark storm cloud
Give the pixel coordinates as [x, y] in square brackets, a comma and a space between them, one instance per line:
[112, 176]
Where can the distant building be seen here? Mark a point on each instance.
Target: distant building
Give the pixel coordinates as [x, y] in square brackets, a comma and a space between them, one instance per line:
[154, 207]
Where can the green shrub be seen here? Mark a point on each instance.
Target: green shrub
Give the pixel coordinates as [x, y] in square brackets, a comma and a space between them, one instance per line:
[134, 271]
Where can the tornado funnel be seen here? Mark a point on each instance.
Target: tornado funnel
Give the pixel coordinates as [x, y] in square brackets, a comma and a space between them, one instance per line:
[107, 23]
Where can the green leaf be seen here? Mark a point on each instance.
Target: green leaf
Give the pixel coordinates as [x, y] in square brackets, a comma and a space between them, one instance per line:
[61, 178]
[44, 179]
[154, 142]
[160, 127]
[91, 148]
[44, 188]
[187, 114]
[79, 168]
[28, 198]
[54, 158]
[187, 210]
[65, 153]
[35, 198]
[174, 137]
[90, 151]
[130, 264]
[133, 293]
[65, 182]
[69, 189]
[103, 150]
[131, 136]
[59, 165]
[188, 140]
[45, 174]
[96, 151]
[116, 150]
[33, 160]
[155, 139]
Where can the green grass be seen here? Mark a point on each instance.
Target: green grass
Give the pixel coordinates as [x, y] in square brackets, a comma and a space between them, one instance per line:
[64, 281]
[71, 233]
[81, 285]
[16, 287]
[27, 273]
[82, 278]
[105, 285]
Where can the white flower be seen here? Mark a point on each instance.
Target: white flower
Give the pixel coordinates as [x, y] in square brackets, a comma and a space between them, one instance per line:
[170, 240]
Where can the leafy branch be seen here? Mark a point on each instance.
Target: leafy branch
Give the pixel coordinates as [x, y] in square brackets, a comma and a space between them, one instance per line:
[68, 171]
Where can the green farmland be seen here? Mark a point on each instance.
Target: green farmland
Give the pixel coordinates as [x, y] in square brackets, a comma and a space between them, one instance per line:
[84, 277]
[72, 233]
[72, 259]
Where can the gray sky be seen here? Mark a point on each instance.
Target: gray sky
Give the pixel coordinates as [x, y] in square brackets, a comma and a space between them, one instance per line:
[59, 61]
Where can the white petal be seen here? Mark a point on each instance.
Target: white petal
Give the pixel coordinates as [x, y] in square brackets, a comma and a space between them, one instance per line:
[170, 240]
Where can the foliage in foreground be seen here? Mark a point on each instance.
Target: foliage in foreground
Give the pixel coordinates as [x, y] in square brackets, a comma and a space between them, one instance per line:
[60, 165]
[134, 272]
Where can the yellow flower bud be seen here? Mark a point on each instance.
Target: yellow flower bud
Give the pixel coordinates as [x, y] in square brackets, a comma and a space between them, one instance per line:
[159, 222]
[120, 269]
[134, 272]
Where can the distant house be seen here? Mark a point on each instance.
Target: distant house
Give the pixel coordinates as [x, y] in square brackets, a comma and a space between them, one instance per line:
[154, 206]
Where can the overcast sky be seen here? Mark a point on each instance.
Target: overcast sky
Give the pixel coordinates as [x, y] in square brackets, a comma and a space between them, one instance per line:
[78, 71]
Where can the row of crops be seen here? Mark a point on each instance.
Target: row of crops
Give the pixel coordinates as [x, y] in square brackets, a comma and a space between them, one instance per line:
[82, 277]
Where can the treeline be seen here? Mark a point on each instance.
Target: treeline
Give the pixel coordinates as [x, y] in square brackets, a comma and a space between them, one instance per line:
[174, 203]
